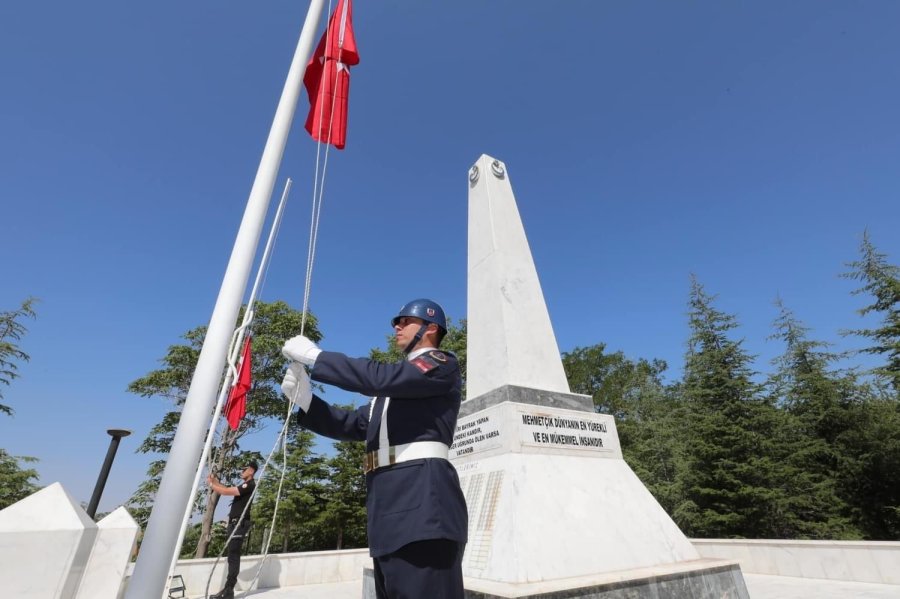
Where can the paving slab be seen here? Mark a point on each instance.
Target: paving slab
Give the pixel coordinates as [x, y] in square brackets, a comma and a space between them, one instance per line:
[765, 586]
[334, 590]
[760, 586]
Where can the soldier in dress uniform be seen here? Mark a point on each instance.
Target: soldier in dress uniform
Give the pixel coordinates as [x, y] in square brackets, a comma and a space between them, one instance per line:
[417, 518]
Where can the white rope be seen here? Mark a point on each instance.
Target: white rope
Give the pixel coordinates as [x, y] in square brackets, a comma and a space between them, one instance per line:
[262, 473]
[234, 352]
[268, 539]
[318, 195]
[319, 188]
[282, 438]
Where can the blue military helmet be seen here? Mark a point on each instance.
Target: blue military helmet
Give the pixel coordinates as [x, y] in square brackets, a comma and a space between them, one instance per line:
[425, 309]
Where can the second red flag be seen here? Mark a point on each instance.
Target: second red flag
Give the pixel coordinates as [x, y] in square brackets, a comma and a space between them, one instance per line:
[236, 407]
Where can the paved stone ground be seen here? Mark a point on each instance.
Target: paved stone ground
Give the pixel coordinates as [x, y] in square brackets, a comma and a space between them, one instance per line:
[760, 586]
[337, 590]
[763, 586]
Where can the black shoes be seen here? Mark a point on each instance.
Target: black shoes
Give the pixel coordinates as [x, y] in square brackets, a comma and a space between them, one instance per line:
[225, 593]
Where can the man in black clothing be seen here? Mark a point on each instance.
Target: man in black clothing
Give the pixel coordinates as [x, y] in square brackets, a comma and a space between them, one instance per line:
[242, 498]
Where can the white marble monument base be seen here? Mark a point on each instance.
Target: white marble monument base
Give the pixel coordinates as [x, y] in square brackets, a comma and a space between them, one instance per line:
[698, 579]
[536, 517]
[553, 507]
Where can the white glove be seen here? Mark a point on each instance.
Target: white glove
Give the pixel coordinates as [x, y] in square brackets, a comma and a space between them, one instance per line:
[296, 386]
[301, 349]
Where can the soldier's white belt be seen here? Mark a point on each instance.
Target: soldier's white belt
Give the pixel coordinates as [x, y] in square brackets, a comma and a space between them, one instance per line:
[405, 453]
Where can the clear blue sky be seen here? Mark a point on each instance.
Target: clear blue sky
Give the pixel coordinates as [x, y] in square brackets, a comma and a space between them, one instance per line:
[750, 143]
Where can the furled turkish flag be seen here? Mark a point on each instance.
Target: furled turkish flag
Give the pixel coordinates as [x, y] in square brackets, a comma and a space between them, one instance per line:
[236, 407]
[327, 78]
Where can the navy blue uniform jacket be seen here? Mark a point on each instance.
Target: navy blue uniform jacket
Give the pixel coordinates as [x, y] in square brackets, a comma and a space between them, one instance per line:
[409, 501]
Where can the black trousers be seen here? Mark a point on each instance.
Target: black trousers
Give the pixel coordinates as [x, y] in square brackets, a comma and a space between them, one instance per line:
[234, 550]
[422, 570]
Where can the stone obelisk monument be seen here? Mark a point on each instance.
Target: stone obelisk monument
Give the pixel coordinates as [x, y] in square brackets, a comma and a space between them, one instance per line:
[553, 507]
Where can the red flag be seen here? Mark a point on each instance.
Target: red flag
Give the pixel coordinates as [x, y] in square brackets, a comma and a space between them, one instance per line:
[327, 78]
[237, 399]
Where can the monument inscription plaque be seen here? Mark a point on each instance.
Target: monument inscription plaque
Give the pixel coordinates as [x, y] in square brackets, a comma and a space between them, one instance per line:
[516, 427]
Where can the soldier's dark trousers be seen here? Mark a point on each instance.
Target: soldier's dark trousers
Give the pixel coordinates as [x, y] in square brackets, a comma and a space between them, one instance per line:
[424, 569]
[234, 551]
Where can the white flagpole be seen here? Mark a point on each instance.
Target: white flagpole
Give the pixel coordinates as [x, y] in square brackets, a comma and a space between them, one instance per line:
[160, 538]
[237, 347]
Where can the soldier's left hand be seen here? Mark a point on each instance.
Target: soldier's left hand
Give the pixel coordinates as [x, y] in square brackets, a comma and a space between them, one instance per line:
[301, 349]
[296, 386]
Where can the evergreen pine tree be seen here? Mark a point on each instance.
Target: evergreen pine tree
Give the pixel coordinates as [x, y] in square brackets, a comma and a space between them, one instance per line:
[726, 478]
[344, 518]
[300, 502]
[815, 407]
[870, 467]
[881, 280]
[11, 332]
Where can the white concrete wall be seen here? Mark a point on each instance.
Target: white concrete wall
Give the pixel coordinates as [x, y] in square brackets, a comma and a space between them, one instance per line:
[859, 561]
[280, 570]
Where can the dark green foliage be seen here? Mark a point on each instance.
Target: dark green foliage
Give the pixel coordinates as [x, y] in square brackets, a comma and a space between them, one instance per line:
[322, 504]
[881, 280]
[16, 482]
[344, 517]
[816, 403]
[870, 467]
[273, 323]
[612, 380]
[811, 453]
[302, 497]
[727, 480]
[11, 332]
[653, 441]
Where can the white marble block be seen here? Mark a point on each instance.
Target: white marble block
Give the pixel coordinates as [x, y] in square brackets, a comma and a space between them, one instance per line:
[110, 556]
[510, 340]
[552, 504]
[550, 498]
[45, 543]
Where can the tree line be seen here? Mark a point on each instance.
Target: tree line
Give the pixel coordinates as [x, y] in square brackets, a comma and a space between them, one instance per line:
[17, 479]
[809, 449]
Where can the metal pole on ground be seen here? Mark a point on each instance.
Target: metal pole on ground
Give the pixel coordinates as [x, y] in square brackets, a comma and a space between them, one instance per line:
[116, 434]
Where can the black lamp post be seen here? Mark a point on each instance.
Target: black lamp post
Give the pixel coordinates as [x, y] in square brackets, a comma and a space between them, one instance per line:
[116, 434]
